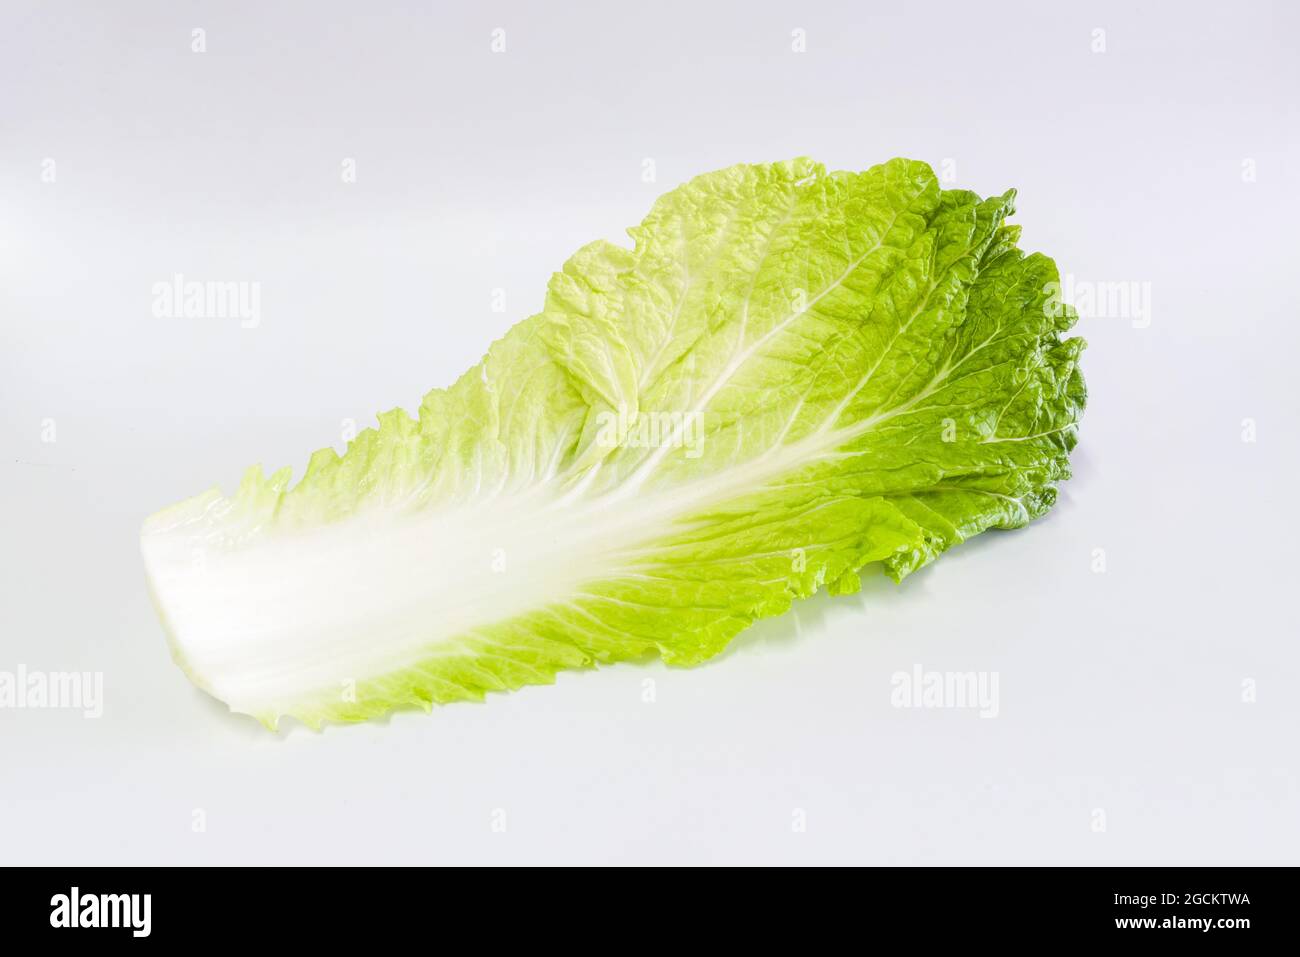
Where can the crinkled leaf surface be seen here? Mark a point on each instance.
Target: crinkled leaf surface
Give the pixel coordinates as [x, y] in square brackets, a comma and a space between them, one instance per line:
[792, 374]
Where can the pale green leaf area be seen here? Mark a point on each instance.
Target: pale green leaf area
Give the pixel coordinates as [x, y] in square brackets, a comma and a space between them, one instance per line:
[791, 375]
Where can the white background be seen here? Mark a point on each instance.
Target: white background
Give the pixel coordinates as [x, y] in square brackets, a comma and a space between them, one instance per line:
[1120, 691]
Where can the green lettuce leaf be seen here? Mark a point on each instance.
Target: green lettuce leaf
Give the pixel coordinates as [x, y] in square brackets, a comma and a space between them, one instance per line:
[792, 374]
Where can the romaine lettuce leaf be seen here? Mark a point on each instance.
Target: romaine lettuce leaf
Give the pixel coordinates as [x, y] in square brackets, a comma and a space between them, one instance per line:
[792, 374]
